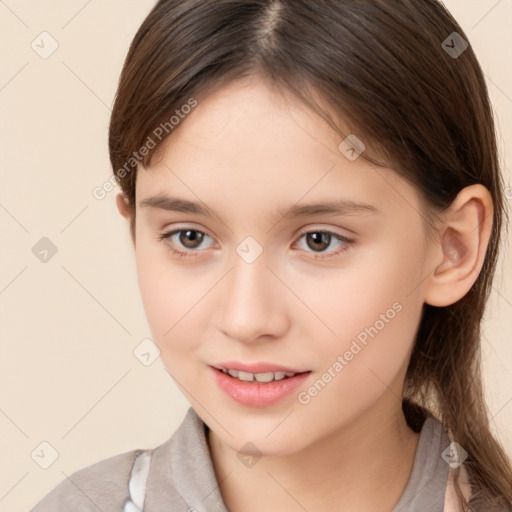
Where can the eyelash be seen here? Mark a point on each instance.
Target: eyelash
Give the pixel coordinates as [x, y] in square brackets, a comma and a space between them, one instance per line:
[347, 243]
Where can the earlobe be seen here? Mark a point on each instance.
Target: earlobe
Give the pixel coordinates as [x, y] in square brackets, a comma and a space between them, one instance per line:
[461, 246]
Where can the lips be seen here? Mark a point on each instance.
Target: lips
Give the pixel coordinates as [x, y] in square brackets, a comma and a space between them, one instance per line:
[255, 393]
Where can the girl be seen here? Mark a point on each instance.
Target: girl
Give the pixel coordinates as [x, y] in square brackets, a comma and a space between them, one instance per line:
[315, 203]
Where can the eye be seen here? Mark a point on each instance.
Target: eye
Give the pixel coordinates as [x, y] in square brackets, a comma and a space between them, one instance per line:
[190, 239]
[319, 240]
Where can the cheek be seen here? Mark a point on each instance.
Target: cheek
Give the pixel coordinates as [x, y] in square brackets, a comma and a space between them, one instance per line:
[374, 278]
[169, 296]
[372, 308]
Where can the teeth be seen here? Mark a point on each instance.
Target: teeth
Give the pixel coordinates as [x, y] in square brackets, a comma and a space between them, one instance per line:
[264, 377]
[259, 377]
[248, 377]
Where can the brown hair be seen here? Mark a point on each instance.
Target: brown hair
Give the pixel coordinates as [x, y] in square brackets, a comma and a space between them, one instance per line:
[384, 67]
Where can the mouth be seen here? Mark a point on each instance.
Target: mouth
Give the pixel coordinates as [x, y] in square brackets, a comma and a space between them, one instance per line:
[258, 388]
[259, 377]
[257, 372]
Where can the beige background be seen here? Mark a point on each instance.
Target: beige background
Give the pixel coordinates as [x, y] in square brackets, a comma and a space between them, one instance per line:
[69, 326]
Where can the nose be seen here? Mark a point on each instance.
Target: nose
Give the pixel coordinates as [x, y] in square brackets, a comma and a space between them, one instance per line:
[253, 302]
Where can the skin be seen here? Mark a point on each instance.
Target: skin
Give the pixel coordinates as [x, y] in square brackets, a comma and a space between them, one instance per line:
[249, 156]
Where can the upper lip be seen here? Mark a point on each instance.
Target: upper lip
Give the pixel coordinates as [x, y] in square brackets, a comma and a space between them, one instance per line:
[261, 367]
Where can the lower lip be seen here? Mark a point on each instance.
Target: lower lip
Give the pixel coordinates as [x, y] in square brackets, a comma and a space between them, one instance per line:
[258, 394]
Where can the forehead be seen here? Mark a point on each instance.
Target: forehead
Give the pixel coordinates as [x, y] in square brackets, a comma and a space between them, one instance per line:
[246, 147]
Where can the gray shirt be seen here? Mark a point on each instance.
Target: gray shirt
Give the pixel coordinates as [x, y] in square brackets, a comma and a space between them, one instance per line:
[180, 477]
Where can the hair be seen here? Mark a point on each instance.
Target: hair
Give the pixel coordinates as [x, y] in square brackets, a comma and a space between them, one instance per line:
[381, 67]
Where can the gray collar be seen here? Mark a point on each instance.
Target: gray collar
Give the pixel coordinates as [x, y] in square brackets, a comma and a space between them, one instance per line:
[181, 477]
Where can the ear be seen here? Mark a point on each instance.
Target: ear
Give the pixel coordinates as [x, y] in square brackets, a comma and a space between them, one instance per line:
[460, 250]
[126, 210]
[123, 205]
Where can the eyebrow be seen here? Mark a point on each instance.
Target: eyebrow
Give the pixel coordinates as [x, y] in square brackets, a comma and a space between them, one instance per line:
[339, 207]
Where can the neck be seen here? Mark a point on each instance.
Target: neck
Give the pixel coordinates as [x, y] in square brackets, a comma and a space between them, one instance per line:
[363, 466]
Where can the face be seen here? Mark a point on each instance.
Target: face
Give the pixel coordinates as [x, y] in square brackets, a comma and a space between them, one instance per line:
[258, 282]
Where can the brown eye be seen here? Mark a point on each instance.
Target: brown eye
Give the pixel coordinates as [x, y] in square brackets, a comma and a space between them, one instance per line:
[318, 240]
[190, 238]
[185, 242]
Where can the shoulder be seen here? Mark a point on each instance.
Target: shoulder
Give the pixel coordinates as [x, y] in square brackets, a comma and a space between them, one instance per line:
[178, 467]
[100, 486]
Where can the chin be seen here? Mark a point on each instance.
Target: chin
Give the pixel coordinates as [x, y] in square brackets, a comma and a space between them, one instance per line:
[263, 438]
